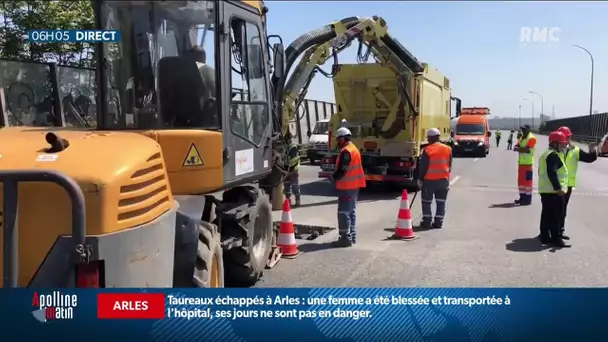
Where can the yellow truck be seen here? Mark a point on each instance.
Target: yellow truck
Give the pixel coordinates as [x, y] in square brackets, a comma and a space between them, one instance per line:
[388, 105]
[388, 115]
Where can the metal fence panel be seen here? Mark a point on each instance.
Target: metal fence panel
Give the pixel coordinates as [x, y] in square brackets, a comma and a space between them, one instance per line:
[30, 91]
[27, 91]
[307, 115]
[586, 127]
[77, 89]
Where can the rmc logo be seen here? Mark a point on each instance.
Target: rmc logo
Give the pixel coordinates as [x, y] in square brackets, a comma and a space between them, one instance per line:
[539, 36]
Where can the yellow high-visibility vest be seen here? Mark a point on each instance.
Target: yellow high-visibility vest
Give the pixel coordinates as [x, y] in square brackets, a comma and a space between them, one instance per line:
[572, 159]
[544, 183]
[526, 158]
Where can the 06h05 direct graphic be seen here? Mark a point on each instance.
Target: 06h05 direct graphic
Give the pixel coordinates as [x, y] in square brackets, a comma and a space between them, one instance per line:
[321, 314]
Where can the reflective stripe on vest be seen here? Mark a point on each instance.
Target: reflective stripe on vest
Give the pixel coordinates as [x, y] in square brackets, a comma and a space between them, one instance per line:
[572, 158]
[544, 183]
[439, 161]
[526, 158]
[294, 162]
[354, 178]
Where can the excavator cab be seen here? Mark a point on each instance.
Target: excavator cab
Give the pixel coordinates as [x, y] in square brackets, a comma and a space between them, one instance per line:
[163, 192]
[200, 68]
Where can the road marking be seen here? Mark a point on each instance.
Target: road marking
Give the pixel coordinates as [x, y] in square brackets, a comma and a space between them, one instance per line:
[476, 159]
[505, 189]
[454, 180]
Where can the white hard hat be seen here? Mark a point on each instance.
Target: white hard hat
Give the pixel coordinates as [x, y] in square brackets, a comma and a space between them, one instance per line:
[433, 132]
[342, 132]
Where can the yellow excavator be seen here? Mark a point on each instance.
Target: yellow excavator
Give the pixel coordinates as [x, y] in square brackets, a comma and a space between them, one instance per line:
[131, 203]
[171, 188]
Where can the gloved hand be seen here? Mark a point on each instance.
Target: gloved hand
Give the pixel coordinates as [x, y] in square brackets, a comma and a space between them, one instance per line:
[419, 183]
[593, 147]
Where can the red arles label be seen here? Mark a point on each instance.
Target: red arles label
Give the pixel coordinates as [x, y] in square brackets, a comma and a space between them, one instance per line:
[130, 306]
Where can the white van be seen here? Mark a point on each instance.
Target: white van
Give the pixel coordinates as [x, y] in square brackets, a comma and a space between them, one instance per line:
[317, 141]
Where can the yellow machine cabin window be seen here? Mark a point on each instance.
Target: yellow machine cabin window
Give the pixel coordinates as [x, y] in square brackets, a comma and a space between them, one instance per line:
[249, 113]
[162, 73]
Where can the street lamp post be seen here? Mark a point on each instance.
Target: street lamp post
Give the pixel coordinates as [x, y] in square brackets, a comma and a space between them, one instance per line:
[542, 106]
[520, 115]
[592, 74]
[532, 102]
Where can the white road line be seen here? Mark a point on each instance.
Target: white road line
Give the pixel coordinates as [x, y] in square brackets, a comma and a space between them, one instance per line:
[454, 180]
[476, 159]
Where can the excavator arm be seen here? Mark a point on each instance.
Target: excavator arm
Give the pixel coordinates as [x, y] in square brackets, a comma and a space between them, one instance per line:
[317, 46]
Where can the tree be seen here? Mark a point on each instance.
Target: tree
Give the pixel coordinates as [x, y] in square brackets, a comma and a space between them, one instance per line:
[17, 17]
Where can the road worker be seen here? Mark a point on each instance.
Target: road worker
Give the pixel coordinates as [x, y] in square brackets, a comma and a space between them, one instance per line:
[434, 179]
[525, 162]
[573, 154]
[552, 186]
[291, 184]
[348, 178]
[510, 140]
[498, 136]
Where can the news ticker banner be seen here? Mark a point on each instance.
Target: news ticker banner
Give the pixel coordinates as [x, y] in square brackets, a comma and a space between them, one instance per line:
[352, 314]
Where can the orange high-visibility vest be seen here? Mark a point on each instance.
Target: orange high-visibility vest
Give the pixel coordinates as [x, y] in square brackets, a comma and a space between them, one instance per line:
[439, 161]
[354, 178]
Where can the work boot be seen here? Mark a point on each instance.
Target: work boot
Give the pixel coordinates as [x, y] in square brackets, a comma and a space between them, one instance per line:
[342, 242]
[297, 201]
[545, 240]
[437, 224]
[517, 201]
[558, 242]
[563, 234]
[425, 224]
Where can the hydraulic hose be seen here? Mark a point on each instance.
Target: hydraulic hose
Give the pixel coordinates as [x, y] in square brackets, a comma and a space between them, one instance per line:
[298, 47]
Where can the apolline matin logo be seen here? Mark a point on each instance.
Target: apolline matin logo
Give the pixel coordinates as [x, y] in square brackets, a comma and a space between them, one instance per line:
[53, 306]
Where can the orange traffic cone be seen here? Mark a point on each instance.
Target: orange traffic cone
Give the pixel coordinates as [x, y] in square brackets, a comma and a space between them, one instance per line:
[404, 229]
[287, 236]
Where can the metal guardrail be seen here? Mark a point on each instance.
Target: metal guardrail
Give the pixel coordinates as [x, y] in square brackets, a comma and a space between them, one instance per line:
[10, 230]
[586, 128]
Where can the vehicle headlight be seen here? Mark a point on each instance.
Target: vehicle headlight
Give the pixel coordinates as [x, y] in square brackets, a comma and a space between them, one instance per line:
[456, 143]
[480, 143]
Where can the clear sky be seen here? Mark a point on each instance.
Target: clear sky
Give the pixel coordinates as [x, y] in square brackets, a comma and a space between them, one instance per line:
[477, 46]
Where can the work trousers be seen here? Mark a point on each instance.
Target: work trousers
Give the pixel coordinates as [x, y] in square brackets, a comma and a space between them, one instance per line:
[497, 141]
[551, 216]
[509, 144]
[566, 201]
[291, 184]
[438, 190]
[347, 205]
[524, 184]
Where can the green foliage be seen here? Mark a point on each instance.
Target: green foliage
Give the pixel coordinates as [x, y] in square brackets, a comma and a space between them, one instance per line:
[17, 17]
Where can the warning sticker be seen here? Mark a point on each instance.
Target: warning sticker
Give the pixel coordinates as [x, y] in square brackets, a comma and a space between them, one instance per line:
[193, 158]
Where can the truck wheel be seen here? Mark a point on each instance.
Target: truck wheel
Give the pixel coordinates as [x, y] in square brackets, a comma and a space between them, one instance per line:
[209, 266]
[245, 265]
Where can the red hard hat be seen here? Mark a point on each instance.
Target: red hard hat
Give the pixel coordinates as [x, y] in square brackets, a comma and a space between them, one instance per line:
[564, 129]
[557, 137]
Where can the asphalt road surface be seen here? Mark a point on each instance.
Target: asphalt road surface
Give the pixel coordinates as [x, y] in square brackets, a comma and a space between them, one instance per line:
[485, 241]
